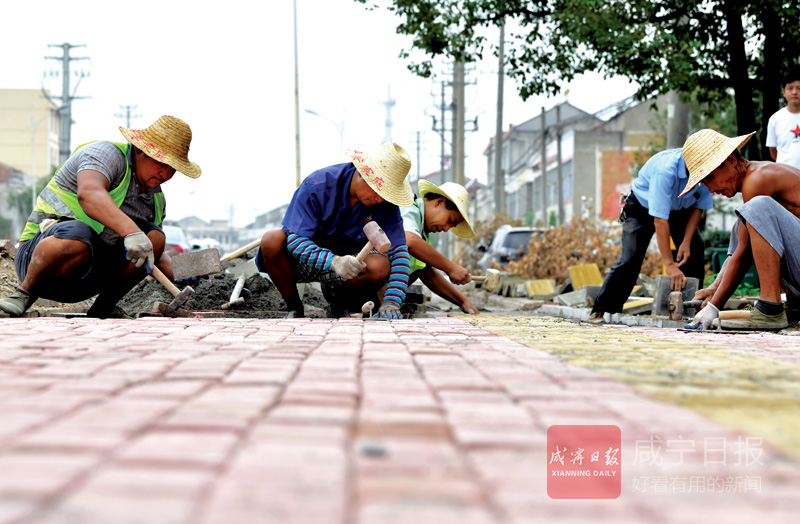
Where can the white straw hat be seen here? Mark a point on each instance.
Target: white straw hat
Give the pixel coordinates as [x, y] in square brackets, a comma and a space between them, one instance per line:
[167, 141]
[706, 150]
[457, 194]
[385, 171]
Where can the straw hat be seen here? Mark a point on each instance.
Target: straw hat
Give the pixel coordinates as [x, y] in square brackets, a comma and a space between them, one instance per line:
[456, 194]
[705, 150]
[385, 171]
[166, 141]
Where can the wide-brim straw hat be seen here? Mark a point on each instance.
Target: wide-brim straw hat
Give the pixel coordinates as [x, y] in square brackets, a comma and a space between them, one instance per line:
[457, 194]
[706, 150]
[166, 141]
[385, 170]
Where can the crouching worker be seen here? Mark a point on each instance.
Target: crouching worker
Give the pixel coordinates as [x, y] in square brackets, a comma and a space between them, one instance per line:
[439, 209]
[323, 230]
[95, 229]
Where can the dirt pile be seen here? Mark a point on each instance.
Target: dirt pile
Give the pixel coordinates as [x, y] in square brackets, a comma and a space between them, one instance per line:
[262, 299]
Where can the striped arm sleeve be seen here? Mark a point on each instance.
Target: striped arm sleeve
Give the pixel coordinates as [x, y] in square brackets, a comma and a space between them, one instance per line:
[398, 279]
[308, 253]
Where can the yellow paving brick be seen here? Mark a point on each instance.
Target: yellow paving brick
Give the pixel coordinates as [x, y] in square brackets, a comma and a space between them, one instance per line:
[585, 275]
[757, 396]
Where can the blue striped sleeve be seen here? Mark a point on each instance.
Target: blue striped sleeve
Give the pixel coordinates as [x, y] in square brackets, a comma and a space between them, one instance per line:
[308, 253]
[398, 279]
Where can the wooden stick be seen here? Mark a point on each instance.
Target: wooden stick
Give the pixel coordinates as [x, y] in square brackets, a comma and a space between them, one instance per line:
[241, 251]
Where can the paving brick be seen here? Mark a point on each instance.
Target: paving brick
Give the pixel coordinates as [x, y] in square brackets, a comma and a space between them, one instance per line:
[40, 475]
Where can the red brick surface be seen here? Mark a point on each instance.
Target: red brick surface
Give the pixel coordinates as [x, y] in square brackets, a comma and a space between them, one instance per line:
[260, 421]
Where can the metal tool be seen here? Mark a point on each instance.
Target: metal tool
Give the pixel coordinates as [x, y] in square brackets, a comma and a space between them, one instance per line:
[677, 306]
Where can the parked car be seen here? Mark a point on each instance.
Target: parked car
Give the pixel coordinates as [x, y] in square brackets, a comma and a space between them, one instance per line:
[176, 240]
[509, 243]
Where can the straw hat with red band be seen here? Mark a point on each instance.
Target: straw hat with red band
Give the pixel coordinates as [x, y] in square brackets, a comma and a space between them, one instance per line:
[385, 171]
[457, 194]
[167, 141]
[706, 150]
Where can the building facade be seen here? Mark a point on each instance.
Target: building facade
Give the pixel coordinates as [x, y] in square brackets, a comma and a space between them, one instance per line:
[29, 131]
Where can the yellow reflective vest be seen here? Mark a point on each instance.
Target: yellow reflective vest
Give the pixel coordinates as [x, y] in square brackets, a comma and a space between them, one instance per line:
[56, 203]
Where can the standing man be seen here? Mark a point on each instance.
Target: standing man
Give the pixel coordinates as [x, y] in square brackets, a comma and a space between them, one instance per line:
[323, 230]
[658, 203]
[439, 209]
[783, 130]
[96, 227]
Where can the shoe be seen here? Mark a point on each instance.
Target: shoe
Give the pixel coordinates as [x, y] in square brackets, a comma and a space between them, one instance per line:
[17, 303]
[333, 311]
[117, 313]
[757, 321]
[295, 313]
[596, 317]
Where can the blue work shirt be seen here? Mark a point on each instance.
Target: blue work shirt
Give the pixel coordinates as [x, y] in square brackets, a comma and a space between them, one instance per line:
[661, 180]
[320, 211]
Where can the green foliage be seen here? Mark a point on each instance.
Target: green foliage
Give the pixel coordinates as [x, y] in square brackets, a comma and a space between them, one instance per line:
[553, 219]
[5, 228]
[704, 49]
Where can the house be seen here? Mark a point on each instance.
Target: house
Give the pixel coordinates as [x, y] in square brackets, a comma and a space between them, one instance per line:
[597, 161]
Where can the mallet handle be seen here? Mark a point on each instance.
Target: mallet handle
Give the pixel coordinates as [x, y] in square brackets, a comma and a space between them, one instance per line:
[364, 252]
[161, 277]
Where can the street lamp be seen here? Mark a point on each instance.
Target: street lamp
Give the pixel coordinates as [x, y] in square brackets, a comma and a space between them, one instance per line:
[339, 127]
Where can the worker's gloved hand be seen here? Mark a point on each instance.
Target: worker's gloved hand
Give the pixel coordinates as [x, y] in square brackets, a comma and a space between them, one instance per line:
[459, 275]
[347, 267]
[139, 249]
[704, 318]
[389, 309]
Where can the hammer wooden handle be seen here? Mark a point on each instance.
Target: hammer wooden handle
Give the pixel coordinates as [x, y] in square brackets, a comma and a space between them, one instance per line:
[735, 313]
[364, 252]
[161, 277]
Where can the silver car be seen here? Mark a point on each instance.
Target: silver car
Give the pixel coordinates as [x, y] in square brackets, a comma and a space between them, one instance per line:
[509, 243]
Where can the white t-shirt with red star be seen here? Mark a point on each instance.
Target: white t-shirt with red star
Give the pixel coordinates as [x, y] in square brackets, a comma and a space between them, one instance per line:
[783, 133]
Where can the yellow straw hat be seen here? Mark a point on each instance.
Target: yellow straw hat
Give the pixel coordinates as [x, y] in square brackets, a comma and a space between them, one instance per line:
[457, 194]
[385, 171]
[167, 141]
[705, 150]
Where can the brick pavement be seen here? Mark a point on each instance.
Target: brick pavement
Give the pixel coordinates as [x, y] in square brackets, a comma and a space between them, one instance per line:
[439, 420]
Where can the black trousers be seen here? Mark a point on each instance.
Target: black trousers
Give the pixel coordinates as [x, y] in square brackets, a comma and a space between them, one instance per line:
[637, 230]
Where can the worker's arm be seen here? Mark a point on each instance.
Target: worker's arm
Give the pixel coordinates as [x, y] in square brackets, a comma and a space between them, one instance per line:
[676, 277]
[425, 252]
[308, 252]
[397, 285]
[736, 267]
[773, 152]
[439, 285]
[97, 203]
[684, 250]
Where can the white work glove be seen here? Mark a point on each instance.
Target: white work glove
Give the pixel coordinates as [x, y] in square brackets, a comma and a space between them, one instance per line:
[704, 318]
[347, 267]
[389, 309]
[139, 249]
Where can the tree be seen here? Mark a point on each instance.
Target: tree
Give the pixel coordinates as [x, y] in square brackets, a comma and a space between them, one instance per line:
[703, 49]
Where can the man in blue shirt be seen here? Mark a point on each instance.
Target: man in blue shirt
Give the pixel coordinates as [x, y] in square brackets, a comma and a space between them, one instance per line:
[657, 205]
[323, 229]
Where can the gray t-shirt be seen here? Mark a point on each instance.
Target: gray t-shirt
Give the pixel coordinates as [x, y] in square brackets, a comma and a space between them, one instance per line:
[106, 158]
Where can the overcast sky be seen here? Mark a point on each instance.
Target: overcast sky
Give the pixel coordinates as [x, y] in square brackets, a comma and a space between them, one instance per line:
[227, 69]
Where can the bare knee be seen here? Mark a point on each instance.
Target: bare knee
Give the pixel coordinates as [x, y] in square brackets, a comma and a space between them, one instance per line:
[378, 269]
[62, 251]
[273, 243]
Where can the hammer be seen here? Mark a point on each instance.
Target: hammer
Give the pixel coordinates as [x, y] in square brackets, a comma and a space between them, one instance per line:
[677, 305]
[180, 296]
[376, 238]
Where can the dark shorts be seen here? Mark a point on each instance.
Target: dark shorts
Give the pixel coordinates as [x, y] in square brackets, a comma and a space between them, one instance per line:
[106, 260]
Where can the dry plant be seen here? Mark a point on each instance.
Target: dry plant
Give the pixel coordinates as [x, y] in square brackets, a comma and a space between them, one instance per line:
[582, 241]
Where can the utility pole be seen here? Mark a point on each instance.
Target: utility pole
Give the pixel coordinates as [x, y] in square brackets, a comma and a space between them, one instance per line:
[418, 161]
[458, 123]
[499, 176]
[388, 104]
[544, 170]
[127, 115]
[64, 149]
[296, 103]
[560, 171]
